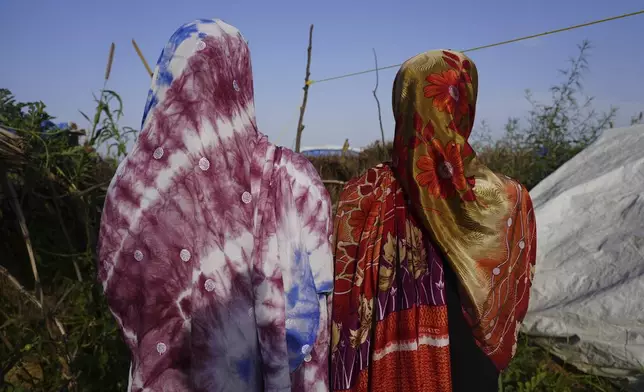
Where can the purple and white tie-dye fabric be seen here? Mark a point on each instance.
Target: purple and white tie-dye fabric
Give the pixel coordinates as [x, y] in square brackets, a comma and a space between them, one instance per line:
[214, 250]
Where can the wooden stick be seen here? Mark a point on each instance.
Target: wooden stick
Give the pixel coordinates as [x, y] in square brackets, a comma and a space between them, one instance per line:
[15, 204]
[55, 201]
[375, 91]
[145, 63]
[73, 193]
[300, 125]
[30, 297]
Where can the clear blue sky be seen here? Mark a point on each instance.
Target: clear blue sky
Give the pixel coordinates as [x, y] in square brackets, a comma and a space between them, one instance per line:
[55, 51]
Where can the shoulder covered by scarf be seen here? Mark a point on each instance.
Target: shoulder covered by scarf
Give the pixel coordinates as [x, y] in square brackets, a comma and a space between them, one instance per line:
[214, 249]
[481, 222]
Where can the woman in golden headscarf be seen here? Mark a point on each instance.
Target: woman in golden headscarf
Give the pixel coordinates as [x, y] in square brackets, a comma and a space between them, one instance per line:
[434, 252]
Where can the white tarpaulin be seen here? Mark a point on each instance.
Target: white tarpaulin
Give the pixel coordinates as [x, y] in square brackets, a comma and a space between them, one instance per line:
[588, 295]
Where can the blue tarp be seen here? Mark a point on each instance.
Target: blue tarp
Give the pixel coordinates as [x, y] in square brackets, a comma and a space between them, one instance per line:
[327, 152]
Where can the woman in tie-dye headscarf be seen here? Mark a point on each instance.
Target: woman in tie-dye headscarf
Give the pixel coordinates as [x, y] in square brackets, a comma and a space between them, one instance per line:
[434, 252]
[214, 247]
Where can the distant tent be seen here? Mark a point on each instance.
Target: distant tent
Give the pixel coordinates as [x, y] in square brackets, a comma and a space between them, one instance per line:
[329, 151]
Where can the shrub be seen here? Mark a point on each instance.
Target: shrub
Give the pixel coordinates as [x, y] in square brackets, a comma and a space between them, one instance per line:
[56, 331]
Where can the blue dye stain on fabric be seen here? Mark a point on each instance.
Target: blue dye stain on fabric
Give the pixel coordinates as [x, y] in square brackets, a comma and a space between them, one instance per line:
[151, 102]
[293, 296]
[326, 287]
[302, 310]
[183, 33]
[295, 356]
[244, 367]
[164, 74]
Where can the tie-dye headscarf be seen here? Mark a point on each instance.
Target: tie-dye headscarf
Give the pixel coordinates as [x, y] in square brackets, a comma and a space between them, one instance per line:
[396, 225]
[214, 250]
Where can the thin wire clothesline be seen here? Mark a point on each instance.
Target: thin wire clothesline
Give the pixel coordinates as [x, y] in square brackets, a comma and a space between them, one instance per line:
[310, 82]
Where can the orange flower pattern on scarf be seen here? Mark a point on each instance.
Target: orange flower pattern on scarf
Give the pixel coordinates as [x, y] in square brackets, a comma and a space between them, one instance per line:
[436, 197]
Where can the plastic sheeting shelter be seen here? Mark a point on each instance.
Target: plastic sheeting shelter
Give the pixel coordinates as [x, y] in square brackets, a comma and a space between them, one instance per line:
[587, 301]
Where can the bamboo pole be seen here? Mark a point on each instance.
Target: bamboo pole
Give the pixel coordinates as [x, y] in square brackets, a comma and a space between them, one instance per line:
[300, 123]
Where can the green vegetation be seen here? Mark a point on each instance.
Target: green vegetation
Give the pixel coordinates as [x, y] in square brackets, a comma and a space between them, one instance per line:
[554, 132]
[55, 329]
[56, 333]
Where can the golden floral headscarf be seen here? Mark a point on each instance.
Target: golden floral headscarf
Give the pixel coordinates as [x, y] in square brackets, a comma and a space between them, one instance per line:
[483, 222]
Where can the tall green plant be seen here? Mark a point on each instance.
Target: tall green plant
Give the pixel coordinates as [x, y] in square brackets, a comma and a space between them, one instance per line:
[556, 130]
[56, 332]
[59, 193]
[105, 130]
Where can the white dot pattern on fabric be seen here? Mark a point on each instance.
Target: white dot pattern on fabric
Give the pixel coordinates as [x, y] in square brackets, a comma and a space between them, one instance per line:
[158, 153]
[161, 348]
[445, 170]
[488, 336]
[521, 244]
[204, 164]
[251, 311]
[201, 45]
[209, 285]
[453, 91]
[509, 222]
[235, 85]
[185, 255]
[306, 349]
[307, 358]
[138, 255]
[246, 197]
[331, 238]
[496, 271]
